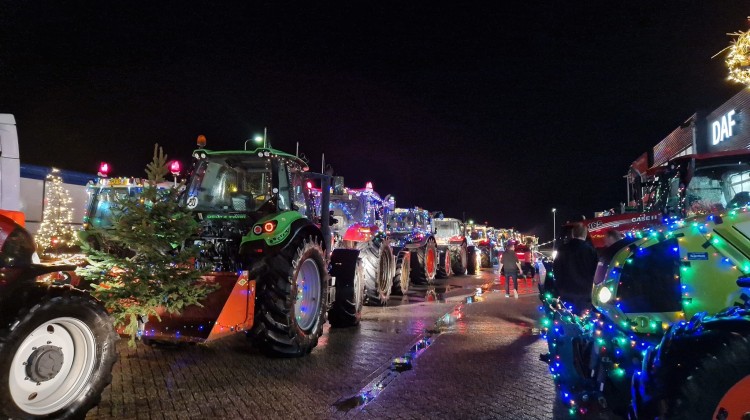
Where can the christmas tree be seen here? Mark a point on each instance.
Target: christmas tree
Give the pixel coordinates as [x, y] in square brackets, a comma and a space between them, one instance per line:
[146, 262]
[56, 234]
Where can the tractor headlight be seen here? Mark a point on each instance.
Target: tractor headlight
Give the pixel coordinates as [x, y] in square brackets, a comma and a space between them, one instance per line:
[605, 295]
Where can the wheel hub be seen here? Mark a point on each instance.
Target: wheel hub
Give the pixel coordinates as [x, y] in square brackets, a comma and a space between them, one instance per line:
[45, 363]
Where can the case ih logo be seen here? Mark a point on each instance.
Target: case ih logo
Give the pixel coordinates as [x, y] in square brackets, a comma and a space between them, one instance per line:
[595, 225]
[620, 219]
[645, 218]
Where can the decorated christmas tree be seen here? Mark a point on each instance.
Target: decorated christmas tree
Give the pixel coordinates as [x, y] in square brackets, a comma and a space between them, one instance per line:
[146, 263]
[56, 234]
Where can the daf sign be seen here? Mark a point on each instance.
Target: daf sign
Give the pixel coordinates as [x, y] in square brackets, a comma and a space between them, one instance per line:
[721, 129]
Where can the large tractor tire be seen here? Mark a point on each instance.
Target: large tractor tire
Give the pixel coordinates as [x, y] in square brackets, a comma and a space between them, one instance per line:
[472, 263]
[290, 308]
[56, 358]
[485, 259]
[444, 269]
[347, 269]
[719, 387]
[459, 257]
[425, 269]
[378, 262]
[402, 278]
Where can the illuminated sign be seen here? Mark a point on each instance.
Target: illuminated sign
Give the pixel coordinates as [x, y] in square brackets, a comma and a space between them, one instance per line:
[721, 129]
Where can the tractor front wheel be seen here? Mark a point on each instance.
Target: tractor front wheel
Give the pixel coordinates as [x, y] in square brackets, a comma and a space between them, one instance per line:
[346, 267]
[444, 267]
[402, 278]
[291, 298]
[459, 259]
[377, 259]
[56, 358]
[427, 263]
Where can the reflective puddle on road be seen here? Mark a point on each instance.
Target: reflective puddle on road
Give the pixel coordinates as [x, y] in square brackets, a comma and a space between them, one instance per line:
[389, 372]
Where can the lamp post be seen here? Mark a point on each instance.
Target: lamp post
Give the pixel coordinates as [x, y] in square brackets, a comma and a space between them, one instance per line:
[554, 229]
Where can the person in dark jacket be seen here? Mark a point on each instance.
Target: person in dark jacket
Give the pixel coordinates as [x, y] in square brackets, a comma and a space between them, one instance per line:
[574, 268]
[510, 264]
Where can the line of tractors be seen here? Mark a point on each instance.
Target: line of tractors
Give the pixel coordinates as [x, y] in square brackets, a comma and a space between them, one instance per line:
[286, 248]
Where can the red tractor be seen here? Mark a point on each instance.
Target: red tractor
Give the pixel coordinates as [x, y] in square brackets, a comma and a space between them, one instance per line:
[686, 186]
[452, 246]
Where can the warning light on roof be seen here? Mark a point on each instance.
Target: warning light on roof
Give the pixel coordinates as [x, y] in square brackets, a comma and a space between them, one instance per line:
[309, 185]
[368, 185]
[175, 167]
[103, 169]
[201, 141]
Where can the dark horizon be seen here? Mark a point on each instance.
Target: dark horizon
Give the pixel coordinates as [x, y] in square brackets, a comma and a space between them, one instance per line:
[498, 112]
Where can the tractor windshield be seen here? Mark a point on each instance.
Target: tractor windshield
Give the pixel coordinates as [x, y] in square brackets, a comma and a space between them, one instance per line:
[102, 203]
[718, 187]
[447, 228]
[401, 221]
[231, 183]
[478, 235]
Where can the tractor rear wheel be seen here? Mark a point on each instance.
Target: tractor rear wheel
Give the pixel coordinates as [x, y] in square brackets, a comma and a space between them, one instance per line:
[427, 263]
[56, 358]
[291, 298]
[402, 278]
[377, 259]
[718, 387]
[346, 309]
[459, 259]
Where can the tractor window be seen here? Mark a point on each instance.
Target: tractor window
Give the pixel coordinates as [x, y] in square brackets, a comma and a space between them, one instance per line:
[104, 202]
[714, 188]
[401, 220]
[230, 183]
[650, 281]
[300, 193]
[447, 228]
[285, 200]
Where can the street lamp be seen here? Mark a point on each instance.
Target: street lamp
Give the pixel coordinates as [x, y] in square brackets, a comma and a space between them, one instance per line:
[554, 229]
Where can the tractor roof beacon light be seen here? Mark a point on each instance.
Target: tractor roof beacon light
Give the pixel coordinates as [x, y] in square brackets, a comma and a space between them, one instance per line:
[201, 141]
[103, 169]
[175, 167]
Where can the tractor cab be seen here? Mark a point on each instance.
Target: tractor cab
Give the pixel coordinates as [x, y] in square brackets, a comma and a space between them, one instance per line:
[408, 225]
[239, 194]
[699, 184]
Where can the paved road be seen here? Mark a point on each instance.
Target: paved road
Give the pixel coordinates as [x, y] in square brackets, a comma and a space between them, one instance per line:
[469, 360]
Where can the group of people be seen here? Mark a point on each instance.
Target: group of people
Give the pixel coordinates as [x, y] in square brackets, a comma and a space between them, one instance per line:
[574, 266]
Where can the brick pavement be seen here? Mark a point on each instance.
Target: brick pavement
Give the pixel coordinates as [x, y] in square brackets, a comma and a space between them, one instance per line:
[484, 366]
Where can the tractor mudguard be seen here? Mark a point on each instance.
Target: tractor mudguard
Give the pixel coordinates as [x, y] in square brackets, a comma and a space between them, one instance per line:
[18, 295]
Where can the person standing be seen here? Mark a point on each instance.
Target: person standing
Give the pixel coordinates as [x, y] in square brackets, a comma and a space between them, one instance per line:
[574, 268]
[512, 266]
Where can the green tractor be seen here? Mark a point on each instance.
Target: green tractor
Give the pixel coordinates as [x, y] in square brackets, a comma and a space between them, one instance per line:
[669, 332]
[268, 252]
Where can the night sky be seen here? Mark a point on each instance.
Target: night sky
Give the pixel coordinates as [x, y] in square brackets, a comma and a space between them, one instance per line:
[502, 111]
